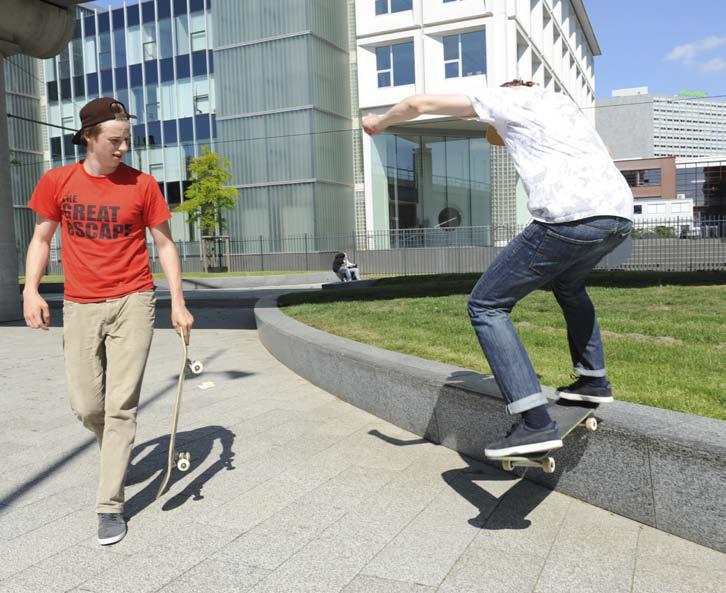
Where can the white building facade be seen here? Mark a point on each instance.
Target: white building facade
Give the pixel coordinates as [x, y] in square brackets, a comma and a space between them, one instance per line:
[636, 124]
[439, 171]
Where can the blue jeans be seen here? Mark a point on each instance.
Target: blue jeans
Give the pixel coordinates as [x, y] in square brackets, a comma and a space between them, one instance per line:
[558, 256]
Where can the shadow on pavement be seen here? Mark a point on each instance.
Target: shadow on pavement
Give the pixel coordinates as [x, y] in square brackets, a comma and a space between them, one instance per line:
[229, 313]
[199, 444]
[518, 502]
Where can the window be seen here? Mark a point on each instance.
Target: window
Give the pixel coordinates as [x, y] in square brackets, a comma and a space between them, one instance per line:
[464, 54]
[199, 40]
[181, 27]
[637, 209]
[389, 6]
[55, 148]
[149, 50]
[52, 91]
[199, 63]
[104, 53]
[395, 64]
[186, 130]
[92, 85]
[121, 80]
[643, 177]
[165, 39]
[133, 51]
[79, 88]
[183, 69]
[89, 50]
[201, 104]
[149, 35]
[202, 124]
[151, 73]
[169, 131]
[152, 111]
[198, 33]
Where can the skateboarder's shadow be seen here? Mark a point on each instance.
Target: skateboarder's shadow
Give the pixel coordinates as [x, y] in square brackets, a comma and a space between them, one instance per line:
[508, 511]
[151, 459]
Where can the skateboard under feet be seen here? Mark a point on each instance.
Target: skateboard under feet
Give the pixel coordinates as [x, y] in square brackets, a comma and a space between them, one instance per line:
[568, 416]
[180, 459]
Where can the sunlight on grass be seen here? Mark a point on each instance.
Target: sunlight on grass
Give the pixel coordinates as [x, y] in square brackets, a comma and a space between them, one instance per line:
[665, 345]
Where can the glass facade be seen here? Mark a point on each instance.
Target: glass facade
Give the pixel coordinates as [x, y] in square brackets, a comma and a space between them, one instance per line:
[25, 138]
[705, 183]
[156, 58]
[284, 116]
[424, 181]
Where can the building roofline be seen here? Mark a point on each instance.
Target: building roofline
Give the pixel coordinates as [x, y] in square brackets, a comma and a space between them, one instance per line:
[643, 158]
[581, 12]
[685, 160]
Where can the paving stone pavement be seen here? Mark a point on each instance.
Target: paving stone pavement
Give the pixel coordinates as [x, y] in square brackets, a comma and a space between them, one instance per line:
[291, 490]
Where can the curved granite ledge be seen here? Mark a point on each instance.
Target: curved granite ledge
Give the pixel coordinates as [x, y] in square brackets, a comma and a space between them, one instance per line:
[662, 468]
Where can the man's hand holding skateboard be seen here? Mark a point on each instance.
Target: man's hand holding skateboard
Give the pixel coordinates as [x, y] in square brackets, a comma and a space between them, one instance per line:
[182, 320]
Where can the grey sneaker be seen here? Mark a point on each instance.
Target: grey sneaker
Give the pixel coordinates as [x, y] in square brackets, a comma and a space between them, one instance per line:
[111, 528]
[521, 440]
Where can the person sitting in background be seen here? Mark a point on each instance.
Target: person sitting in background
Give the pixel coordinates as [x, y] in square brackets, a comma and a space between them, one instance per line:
[344, 269]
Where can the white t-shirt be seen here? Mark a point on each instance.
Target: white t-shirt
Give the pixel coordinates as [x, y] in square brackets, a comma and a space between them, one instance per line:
[562, 161]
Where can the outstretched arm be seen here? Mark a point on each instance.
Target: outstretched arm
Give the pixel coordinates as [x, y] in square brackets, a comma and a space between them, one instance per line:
[411, 107]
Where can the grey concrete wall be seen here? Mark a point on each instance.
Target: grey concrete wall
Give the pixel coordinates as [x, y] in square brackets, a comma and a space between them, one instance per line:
[626, 125]
[661, 468]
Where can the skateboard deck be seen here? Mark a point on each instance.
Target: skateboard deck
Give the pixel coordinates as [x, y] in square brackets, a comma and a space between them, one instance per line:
[568, 415]
[180, 459]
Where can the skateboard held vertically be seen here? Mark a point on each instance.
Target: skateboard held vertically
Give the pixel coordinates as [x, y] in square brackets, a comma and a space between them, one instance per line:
[180, 459]
[568, 416]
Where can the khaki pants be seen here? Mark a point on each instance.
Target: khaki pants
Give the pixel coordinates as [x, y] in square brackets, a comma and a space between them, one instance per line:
[106, 346]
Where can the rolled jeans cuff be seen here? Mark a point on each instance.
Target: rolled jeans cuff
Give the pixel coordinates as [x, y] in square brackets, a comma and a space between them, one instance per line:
[580, 372]
[527, 403]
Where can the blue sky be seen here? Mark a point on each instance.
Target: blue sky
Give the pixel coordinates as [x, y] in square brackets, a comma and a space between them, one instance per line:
[666, 45]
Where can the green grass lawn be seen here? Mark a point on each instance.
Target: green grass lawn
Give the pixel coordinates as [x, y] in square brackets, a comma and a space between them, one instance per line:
[664, 335]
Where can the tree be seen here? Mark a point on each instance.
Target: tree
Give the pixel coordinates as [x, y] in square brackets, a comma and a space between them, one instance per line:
[208, 195]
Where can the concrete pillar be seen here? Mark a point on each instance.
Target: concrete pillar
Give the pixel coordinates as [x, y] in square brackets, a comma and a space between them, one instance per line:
[10, 302]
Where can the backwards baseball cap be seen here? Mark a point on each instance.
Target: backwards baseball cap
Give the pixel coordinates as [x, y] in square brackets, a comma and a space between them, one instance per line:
[98, 111]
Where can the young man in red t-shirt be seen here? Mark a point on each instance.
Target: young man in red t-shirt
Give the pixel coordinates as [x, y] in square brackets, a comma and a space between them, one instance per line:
[104, 208]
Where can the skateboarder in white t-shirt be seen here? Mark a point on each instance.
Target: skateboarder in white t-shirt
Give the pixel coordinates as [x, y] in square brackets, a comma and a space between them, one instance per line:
[581, 208]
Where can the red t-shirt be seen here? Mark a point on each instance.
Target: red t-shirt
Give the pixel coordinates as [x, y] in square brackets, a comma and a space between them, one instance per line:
[103, 222]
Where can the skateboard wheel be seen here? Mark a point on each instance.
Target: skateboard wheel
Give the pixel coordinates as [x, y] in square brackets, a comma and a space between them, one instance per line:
[548, 465]
[507, 466]
[183, 464]
[196, 367]
[591, 424]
